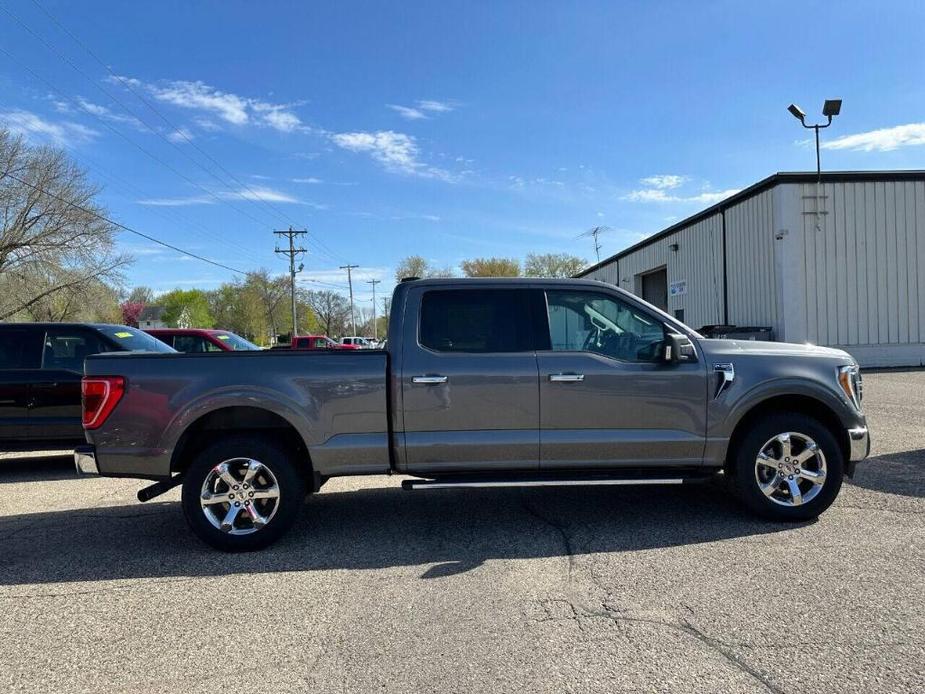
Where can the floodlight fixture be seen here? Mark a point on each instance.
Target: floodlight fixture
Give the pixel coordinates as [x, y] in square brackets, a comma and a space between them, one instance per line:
[832, 107]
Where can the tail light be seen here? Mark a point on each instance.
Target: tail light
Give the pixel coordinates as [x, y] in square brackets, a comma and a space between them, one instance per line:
[100, 395]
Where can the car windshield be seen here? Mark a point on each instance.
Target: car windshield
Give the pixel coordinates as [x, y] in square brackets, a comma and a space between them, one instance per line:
[236, 342]
[134, 340]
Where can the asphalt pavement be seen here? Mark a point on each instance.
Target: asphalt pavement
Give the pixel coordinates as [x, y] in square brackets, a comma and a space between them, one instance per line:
[508, 590]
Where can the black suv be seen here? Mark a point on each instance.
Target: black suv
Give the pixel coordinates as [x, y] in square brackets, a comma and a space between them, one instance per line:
[41, 365]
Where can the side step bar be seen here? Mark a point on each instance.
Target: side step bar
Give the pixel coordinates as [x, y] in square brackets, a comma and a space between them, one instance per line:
[475, 482]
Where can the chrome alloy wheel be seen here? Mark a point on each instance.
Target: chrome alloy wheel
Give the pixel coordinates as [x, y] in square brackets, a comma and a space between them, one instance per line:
[790, 469]
[239, 496]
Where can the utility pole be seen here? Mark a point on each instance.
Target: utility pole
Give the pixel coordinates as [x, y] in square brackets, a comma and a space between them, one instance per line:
[353, 316]
[375, 324]
[292, 252]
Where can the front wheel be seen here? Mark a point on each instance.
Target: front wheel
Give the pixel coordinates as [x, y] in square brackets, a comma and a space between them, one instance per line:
[242, 493]
[788, 467]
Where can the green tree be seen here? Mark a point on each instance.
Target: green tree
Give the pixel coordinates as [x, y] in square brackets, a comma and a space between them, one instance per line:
[553, 265]
[186, 308]
[491, 267]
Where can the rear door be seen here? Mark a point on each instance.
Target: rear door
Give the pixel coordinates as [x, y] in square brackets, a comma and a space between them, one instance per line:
[20, 356]
[55, 402]
[607, 397]
[469, 381]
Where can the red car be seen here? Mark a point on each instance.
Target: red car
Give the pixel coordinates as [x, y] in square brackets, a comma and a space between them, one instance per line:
[317, 342]
[200, 340]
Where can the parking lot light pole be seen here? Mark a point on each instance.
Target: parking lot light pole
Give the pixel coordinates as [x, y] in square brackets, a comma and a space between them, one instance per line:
[830, 109]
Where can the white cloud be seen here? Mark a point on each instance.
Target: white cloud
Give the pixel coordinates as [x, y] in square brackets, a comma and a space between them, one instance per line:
[435, 106]
[421, 108]
[659, 195]
[176, 202]
[226, 106]
[310, 179]
[37, 129]
[664, 181]
[181, 134]
[259, 193]
[397, 152]
[407, 112]
[882, 140]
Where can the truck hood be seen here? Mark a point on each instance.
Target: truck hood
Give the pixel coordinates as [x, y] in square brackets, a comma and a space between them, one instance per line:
[773, 349]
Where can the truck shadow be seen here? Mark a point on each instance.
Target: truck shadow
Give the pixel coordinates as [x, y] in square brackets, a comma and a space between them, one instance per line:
[37, 468]
[441, 532]
[895, 473]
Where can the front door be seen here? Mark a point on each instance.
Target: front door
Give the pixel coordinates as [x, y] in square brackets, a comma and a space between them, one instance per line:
[607, 397]
[469, 381]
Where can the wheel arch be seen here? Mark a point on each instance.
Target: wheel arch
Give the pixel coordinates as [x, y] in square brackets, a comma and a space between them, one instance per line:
[806, 405]
[238, 420]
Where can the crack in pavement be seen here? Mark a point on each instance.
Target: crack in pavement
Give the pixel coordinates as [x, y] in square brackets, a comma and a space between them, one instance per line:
[682, 625]
[561, 529]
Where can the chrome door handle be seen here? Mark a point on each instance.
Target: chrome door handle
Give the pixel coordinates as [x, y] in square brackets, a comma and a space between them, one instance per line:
[566, 378]
[429, 380]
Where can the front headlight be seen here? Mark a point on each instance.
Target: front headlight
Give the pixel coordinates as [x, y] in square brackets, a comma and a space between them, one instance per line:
[849, 378]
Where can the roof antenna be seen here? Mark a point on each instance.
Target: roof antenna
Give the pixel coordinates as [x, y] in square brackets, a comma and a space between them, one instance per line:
[595, 232]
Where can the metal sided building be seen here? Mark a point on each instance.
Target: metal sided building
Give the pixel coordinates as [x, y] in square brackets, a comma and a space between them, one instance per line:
[841, 263]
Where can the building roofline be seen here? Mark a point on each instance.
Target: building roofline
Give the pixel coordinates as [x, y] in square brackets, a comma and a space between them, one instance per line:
[759, 187]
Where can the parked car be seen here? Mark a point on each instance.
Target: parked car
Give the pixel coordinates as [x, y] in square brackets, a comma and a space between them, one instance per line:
[41, 365]
[315, 342]
[202, 340]
[485, 383]
[358, 342]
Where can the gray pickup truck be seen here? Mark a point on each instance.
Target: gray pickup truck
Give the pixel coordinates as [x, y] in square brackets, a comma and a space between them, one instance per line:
[484, 383]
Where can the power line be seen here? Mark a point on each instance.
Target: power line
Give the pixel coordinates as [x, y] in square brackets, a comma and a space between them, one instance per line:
[124, 227]
[292, 252]
[253, 196]
[108, 125]
[180, 131]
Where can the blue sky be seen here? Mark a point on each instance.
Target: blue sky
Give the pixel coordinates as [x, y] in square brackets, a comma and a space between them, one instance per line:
[450, 130]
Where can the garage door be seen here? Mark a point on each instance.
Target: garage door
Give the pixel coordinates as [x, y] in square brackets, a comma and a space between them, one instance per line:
[655, 288]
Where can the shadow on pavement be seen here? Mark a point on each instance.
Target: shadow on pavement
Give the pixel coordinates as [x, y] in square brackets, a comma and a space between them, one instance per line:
[449, 531]
[38, 469]
[894, 473]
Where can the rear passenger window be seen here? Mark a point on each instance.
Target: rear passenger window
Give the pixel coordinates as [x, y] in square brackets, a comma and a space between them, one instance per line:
[66, 349]
[476, 320]
[20, 348]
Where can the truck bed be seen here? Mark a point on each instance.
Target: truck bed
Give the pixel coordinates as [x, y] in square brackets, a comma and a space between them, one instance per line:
[337, 401]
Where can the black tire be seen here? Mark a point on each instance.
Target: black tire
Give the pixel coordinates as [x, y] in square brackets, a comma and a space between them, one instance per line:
[278, 460]
[745, 484]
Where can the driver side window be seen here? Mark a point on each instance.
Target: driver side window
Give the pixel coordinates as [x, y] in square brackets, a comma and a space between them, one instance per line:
[592, 322]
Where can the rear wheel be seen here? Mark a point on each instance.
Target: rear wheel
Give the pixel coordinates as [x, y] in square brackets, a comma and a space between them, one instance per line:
[242, 493]
[788, 467]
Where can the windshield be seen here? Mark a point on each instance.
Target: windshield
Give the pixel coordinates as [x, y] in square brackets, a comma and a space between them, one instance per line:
[134, 340]
[236, 342]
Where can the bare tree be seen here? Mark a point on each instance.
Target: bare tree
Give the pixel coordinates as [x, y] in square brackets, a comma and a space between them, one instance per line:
[331, 309]
[54, 237]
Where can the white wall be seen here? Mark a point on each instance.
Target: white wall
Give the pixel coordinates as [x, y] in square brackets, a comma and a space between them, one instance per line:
[856, 282]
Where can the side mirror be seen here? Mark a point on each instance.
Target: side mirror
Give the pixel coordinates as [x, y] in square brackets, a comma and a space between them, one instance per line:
[679, 348]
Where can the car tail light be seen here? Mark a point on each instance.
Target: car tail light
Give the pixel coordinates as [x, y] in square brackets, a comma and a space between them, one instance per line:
[100, 395]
